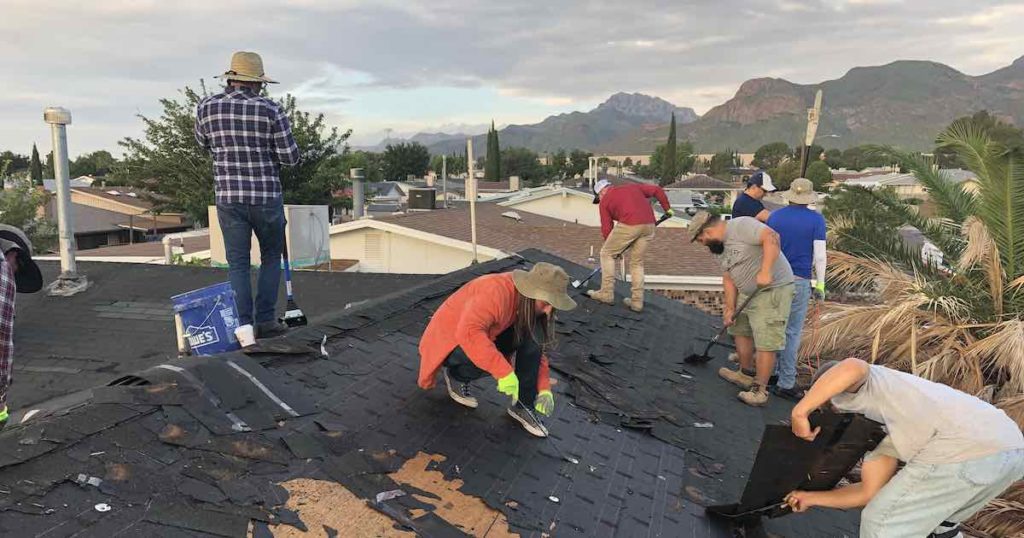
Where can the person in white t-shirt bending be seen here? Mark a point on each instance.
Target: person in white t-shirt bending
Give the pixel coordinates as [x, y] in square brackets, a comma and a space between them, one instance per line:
[960, 452]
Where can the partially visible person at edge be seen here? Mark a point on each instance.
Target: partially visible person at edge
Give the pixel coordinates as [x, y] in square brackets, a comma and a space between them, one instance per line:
[250, 139]
[627, 224]
[753, 266]
[959, 451]
[748, 203]
[802, 234]
[480, 328]
[18, 273]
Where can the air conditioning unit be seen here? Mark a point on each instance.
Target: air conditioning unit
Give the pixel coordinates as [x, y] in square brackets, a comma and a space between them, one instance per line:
[422, 199]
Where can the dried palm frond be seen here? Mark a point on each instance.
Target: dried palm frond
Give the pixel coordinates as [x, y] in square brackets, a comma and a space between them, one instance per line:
[1002, 517]
[982, 251]
[864, 273]
[1014, 407]
[1003, 350]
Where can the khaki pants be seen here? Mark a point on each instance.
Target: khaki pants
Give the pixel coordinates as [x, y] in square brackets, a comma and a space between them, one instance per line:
[625, 240]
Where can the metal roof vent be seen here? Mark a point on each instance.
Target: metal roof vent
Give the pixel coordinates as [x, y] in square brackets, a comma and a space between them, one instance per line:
[512, 215]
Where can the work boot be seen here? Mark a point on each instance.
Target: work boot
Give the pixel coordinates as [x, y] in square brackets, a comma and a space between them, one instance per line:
[736, 377]
[606, 298]
[757, 396]
[528, 419]
[460, 392]
[734, 357]
[270, 329]
[794, 394]
[629, 304]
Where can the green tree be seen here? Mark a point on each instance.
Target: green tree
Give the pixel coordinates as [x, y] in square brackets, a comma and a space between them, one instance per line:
[21, 205]
[97, 163]
[669, 165]
[16, 162]
[819, 174]
[1001, 132]
[558, 164]
[861, 157]
[958, 322]
[579, 161]
[721, 164]
[772, 155]
[784, 174]
[492, 166]
[524, 163]
[627, 162]
[685, 160]
[834, 158]
[169, 162]
[49, 172]
[405, 159]
[35, 169]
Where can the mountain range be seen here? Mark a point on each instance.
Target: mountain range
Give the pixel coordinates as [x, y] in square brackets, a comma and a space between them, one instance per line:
[904, 103]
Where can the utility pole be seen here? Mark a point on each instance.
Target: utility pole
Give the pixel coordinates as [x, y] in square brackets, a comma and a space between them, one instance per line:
[69, 282]
[471, 193]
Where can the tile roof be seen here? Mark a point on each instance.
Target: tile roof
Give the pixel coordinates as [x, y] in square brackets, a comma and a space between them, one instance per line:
[329, 435]
[125, 195]
[671, 253]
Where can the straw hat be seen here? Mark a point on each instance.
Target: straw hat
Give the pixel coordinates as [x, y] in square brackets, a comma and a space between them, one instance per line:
[546, 282]
[28, 279]
[801, 191]
[246, 67]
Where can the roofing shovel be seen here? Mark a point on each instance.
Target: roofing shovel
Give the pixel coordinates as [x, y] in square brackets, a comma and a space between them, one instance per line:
[293, 316]
[701, 358]
[577, 284]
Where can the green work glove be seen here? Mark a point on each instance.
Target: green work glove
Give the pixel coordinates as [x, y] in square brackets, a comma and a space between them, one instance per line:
[3, 417]
[509, 385]
[819, 289]
[670, 212]
[545, 404]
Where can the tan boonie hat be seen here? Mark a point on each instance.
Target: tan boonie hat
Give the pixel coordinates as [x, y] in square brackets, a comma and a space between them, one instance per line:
[697, 224]
[801, 191]
[546, 282]
[246, 67]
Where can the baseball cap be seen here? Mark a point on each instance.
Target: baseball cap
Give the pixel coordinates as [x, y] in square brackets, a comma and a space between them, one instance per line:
[599, 186]
[28, 279]
[761, 179]
[697, 224]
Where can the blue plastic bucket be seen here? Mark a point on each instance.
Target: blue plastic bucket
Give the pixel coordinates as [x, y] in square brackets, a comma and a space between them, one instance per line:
[208, 319]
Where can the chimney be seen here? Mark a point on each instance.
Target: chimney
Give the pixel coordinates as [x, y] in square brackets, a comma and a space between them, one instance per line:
[513, 183]
[358, 197]
[70, 281]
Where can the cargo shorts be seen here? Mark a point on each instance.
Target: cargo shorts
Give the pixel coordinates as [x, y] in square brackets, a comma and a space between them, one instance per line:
[765, 318]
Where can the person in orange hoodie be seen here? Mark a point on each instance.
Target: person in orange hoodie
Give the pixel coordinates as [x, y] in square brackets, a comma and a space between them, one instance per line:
[489, 321]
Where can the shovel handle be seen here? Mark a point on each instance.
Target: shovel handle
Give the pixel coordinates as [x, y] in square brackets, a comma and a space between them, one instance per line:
[738, 310]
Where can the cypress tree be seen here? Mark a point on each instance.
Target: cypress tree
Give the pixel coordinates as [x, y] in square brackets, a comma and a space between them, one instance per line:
[492, 166]
[35, 167]
[669, 171]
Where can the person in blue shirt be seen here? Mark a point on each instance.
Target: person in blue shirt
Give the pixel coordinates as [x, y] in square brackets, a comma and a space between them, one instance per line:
[748, 203]
[802, 234]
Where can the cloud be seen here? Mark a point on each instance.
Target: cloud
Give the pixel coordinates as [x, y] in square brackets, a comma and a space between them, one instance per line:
[374, 64]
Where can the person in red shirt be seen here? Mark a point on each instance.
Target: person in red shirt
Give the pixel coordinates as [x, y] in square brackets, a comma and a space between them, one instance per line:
[488, 321]
[627, 208]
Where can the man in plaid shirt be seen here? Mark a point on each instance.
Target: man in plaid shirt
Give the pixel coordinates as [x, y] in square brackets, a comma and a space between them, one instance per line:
[250, 139]
[18, 273]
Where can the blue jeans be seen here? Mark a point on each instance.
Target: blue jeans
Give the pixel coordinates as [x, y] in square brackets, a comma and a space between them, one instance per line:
[238, 222]
[921, 496]
[786, 366]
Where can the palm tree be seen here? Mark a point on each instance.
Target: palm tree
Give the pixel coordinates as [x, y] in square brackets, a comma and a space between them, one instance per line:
[959, 322]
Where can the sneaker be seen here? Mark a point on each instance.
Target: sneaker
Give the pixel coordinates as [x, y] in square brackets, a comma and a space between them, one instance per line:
[756, 396]
[736, 377]
[270, 329]
[773, 381]
[460, 392]
[795, 394]
[629, 304]
[528, 419]
[601, 297]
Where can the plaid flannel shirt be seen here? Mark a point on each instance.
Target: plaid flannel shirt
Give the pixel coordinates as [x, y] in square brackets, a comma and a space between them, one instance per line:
[250, 138]
[7, 289]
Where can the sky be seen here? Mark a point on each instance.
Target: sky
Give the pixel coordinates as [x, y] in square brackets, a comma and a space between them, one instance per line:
[456, 65]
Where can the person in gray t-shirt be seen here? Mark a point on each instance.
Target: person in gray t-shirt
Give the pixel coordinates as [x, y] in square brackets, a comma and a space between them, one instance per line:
[752, 263]
[960, 452]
